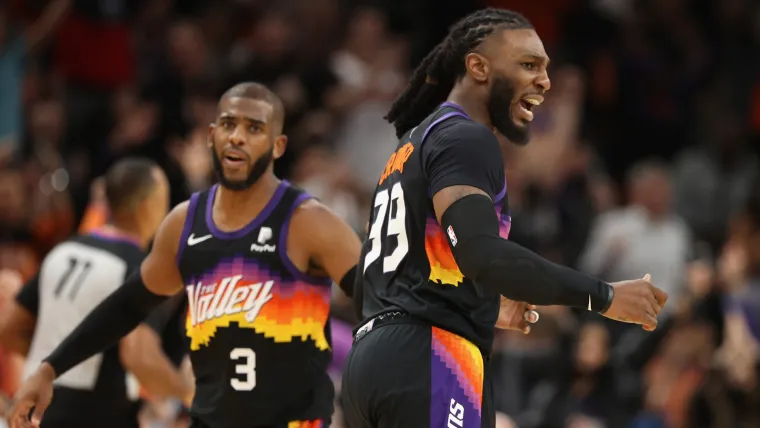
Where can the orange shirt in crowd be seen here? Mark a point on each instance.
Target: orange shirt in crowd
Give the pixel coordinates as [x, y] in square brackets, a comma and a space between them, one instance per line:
[95, 217]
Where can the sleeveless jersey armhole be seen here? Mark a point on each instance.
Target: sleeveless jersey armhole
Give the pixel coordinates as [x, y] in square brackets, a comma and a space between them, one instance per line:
[188, 226]
[283, 250]
[458, 112]
[430, 128]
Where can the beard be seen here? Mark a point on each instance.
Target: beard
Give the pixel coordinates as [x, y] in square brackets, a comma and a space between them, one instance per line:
[258, 169]
[500, 99]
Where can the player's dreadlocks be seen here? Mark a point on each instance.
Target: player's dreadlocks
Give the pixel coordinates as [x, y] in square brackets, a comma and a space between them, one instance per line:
[444, 65]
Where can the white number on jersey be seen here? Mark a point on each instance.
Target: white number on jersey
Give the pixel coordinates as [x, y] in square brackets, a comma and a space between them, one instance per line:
[247, 368]
[396, 227]
[73, 279]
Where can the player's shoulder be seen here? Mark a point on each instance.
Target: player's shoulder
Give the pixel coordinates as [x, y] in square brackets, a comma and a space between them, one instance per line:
[460, 128]
[169, 232]
[311, 218]
[310, 210]
[178, 214]
[461, 140]
[461, 137]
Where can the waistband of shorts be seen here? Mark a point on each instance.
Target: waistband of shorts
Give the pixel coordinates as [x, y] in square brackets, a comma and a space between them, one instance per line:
[386, 318]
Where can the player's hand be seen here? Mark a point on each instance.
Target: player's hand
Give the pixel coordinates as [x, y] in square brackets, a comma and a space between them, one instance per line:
[34, 395]
[637, 302]
[516, 315]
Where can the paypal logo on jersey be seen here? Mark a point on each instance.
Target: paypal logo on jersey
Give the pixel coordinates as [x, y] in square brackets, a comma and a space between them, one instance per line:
[260, 246]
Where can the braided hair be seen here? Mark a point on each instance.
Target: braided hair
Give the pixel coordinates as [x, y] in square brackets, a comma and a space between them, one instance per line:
[435, 77]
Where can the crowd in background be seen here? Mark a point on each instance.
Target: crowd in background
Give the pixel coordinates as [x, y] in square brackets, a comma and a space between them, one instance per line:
[644, 159]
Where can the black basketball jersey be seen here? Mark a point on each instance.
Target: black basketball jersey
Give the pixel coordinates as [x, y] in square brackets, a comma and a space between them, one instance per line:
[407, 263]
[74, 277]
[258, 327]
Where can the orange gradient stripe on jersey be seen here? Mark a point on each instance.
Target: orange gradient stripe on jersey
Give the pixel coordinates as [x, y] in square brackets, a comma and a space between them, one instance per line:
[300, 312]
[443, 267]
[397, 161]
[464, 360]
[306, 424]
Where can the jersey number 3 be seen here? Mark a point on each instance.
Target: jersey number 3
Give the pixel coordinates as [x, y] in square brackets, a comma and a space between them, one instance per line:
[396, 227]
[246, 369]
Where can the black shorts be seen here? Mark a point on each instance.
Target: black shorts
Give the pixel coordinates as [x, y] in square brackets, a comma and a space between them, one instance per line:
[405, 374]
[89, 409]
[197, 423]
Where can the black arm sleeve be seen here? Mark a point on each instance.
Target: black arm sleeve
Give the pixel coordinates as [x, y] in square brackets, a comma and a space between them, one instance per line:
[466, 153]
[29, 296]
[159, 318]
[347, 282]
[511, 270]
[463, 153]
[111, 320]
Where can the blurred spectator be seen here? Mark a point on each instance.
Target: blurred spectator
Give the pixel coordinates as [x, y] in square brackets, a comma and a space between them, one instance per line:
[18, 246]
[327, 177]
[675, 373]
[528, 370]
[556, 185]
[11, 365]
[740, 273]
[93, 70]
[644, 237]
[712, 180]
[370, 67]
[592, 395]
[17, 41]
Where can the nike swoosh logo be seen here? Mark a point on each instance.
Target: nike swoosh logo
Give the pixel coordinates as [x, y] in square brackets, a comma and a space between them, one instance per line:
[192, 240]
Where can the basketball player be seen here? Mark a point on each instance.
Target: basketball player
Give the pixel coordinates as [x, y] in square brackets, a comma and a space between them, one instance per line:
[74, 278]
[257, 258]
[437, 259]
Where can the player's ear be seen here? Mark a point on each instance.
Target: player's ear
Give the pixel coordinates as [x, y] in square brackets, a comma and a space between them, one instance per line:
[210, 139]
[477, 66]
[280, 144]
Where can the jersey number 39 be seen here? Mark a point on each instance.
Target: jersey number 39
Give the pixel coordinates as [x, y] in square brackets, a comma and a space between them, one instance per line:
[396, 227]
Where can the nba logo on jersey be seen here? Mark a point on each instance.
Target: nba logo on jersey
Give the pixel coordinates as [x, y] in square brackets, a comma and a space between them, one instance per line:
[452, 236]
[265, 234]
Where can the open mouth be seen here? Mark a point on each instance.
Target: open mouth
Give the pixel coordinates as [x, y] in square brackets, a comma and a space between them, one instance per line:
[526, 105]
[234, 159]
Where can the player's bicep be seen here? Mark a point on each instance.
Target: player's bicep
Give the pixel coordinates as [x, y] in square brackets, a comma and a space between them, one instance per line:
[445, 197]
[159, 270]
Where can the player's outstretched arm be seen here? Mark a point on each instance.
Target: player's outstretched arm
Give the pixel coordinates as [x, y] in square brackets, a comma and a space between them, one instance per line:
[465, 171]
[467, 214]
[114, 318]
